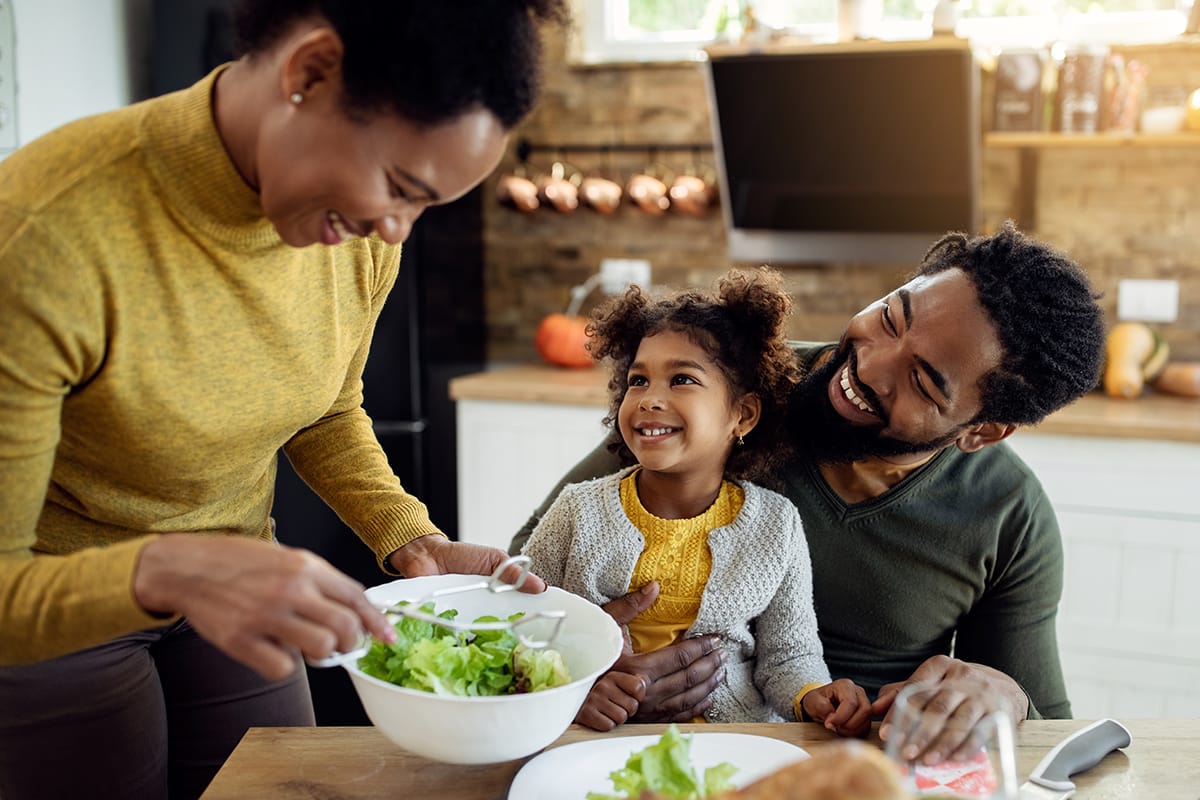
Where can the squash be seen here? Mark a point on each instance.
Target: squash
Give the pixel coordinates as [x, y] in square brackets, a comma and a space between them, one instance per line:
[1134, 353]
[562, 340]
[1179, 377]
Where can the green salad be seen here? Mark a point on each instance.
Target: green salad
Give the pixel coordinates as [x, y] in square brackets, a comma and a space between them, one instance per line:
[435, 659]
[665, 767]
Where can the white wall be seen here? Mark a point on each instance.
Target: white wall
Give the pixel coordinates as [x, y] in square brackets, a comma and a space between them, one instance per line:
[73, 59]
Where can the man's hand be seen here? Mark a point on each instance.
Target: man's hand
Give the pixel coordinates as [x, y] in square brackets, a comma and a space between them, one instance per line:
[437, 555]
[841, 706]
[257, 602]
[677, 680]
[957, 695]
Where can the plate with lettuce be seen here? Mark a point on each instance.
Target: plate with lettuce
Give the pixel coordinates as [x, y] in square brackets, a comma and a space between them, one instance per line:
[675, 765]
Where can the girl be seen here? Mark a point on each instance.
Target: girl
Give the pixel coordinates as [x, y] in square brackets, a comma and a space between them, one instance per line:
[699, 386]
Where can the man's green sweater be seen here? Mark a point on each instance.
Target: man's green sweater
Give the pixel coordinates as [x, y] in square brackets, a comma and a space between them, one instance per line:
[962, 557]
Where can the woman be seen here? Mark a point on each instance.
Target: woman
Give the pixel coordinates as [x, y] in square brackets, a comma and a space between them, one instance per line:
[187, 285]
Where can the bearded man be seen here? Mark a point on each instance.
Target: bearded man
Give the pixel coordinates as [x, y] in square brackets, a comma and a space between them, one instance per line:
[936, 554]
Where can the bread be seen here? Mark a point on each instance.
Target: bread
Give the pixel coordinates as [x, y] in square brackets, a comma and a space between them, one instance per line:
[847, 770]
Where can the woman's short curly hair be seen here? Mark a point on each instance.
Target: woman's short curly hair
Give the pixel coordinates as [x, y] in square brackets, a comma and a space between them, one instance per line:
[1047, 320]
[428, 60]
[740, 325]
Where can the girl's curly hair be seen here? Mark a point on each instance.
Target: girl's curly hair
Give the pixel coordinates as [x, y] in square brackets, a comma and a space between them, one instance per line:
[740, 326]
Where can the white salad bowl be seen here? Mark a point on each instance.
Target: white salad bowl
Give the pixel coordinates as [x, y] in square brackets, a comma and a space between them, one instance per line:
[487, 730]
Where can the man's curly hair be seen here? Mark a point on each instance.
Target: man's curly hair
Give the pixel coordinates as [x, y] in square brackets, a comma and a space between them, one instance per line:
[1046, 316]
[739, 325]
[428, 60]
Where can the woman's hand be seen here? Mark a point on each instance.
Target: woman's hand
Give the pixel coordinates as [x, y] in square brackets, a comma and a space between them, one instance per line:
[255, 601]
[436, 555]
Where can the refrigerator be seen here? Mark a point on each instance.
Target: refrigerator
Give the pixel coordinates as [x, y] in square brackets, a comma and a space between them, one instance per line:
[431, 329]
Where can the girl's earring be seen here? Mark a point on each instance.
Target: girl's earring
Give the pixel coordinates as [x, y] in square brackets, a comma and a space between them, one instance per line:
[296, 98]
[741, 439]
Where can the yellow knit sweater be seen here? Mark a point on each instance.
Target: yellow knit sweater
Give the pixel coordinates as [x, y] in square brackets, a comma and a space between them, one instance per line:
[158, 344]
[677, 556]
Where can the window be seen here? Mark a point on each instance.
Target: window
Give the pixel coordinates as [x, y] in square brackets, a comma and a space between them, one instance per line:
[658, 30]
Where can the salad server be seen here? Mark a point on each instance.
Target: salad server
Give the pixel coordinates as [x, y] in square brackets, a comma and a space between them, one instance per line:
[494, 584]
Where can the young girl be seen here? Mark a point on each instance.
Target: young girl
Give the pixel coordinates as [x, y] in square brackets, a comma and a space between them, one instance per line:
[699, 386]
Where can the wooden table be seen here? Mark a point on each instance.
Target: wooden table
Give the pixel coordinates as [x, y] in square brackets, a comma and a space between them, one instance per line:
[1163, 763]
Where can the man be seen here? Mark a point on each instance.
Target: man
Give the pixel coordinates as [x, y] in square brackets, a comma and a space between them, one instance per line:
[936, 555]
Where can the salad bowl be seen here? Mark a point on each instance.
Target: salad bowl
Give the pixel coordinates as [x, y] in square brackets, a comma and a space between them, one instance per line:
[490, 729]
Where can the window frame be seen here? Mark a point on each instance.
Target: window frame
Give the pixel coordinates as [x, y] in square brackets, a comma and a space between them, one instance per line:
[596, 41]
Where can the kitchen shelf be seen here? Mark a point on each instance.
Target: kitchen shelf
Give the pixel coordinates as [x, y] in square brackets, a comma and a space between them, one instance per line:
[1031, 147]
[1040, 140]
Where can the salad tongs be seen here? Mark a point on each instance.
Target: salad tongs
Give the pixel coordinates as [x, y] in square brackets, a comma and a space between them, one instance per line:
[494, 584]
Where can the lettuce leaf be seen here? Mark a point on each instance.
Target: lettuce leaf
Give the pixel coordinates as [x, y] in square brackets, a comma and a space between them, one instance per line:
[665, 767]
[434, 659]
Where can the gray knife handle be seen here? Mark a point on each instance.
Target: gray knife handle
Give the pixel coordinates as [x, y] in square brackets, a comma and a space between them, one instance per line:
[1080, 751]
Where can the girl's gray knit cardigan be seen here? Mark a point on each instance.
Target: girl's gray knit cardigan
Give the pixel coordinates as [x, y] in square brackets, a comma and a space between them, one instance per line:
[758, 597]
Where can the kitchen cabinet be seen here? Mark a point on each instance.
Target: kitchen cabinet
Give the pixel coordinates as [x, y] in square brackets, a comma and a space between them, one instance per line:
[1130, 520]
[510, 455]
[1119, 473]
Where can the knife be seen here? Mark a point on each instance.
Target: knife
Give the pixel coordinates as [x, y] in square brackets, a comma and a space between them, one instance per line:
[1082, 750]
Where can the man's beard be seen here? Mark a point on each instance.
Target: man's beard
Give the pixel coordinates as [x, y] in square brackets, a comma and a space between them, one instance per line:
[818, 432]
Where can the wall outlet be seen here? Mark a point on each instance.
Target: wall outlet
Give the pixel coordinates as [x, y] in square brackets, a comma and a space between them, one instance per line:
[618, 273]
[1148, 301]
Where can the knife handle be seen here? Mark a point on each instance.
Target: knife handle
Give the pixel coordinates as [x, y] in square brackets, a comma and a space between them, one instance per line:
[1083, 749]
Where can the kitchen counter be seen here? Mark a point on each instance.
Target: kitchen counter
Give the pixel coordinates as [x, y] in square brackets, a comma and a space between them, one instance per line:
[1152, 416]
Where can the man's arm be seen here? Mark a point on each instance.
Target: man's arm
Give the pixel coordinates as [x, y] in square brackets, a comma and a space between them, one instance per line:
[1013, 628]
[1006, 649]
[595, 464]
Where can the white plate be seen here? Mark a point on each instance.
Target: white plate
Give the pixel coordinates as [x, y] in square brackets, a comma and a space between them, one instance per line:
[571, 771]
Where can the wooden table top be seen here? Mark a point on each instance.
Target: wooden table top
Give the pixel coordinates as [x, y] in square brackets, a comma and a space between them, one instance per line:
[1151, 416]
[1162, 763]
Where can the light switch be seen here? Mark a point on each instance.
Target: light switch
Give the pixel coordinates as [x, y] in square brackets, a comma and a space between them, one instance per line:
[1148, 300]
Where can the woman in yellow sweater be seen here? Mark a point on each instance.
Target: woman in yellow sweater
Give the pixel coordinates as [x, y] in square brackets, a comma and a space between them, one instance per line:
[186, 286]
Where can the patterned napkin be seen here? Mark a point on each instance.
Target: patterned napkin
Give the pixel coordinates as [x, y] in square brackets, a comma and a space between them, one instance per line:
[971, 778]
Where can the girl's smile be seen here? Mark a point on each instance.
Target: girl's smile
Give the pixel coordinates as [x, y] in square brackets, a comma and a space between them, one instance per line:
[679, 416]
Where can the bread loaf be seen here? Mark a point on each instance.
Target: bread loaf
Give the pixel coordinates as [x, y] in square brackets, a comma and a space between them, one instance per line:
[847, 770]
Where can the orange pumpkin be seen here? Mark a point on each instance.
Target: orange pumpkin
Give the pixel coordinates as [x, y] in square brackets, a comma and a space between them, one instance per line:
[562, 340]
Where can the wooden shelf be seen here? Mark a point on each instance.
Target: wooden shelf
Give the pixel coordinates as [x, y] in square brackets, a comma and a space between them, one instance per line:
[1061, 140]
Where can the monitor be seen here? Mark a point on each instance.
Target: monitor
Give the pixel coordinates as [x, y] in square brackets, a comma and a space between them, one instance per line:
[858, 152]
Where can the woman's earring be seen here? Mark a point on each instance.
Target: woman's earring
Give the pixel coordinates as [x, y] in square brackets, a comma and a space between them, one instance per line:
[741, 439]
[296, 98]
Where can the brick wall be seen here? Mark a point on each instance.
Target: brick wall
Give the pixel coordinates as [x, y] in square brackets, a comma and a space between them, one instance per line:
[1122, 212]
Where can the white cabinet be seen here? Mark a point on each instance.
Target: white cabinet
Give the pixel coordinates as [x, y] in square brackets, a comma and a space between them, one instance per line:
[1128, 625]
[510, 455]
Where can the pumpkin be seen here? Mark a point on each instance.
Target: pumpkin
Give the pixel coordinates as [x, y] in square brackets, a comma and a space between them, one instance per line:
[1134, 354]
[562, 340]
